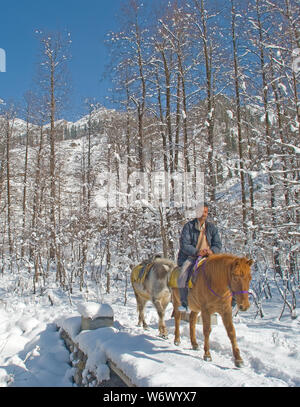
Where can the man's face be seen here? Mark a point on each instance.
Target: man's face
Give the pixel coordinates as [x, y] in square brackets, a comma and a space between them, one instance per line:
[202, 213]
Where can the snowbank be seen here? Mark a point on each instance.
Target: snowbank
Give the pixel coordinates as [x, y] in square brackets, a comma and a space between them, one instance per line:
[94, 310]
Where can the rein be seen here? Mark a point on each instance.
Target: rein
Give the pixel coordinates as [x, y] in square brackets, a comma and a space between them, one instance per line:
[232, 293]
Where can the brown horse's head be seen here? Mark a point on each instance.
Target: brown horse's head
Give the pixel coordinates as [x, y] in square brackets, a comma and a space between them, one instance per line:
[240, 281]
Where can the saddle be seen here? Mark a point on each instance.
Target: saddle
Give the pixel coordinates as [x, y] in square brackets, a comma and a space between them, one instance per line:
[193, 273]
[140, 272]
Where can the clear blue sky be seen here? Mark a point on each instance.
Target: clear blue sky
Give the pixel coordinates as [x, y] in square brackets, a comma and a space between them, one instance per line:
[88, 21]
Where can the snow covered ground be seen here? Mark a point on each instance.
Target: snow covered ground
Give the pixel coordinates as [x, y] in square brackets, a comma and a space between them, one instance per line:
[33, 354]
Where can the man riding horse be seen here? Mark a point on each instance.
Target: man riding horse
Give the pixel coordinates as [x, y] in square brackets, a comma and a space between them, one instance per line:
[198, 238]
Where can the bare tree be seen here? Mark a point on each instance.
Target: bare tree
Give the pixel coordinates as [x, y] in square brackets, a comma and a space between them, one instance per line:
[29, 106]
[9, 117]
[239, 118]
[53, 82]
[201, 24]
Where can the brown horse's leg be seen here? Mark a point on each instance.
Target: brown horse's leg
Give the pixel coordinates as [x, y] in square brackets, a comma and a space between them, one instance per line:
[193, 320]
[177, 316]
[206, 332]
[227, 321]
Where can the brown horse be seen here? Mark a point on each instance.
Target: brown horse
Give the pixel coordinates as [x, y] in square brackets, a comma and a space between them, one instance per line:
[153, 287]
[219, 278]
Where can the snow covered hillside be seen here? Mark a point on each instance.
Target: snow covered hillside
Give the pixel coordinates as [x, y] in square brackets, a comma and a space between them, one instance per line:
[33, 354]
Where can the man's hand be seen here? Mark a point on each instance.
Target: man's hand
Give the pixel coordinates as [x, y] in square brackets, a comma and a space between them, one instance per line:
[205, 252]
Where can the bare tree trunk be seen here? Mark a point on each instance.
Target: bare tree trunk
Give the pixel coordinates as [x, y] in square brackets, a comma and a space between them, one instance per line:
[210, 102]
[239, 125]
[2, 171]
[9, 128]
[161, 125]
[54, 84]
[176, 155]
[268, 133]
[25, 180]
[250, 179]
[163, 234]
[89, 168]
[36, 202]
[279, 108]
[128, 143]
[187, 166]
[142, 102]
[168, 109]
[294, 34]
[52, 164]
[108, 218]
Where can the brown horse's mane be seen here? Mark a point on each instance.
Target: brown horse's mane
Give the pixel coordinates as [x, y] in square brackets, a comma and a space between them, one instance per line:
[218, 268]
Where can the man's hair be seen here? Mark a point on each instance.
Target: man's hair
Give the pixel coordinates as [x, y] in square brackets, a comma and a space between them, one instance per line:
[200, 207]
[203, 204]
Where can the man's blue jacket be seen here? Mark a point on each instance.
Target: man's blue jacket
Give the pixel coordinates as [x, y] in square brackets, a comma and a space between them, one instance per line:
[189, 238]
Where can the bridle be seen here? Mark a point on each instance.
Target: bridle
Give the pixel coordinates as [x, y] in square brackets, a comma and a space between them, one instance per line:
[232, 293]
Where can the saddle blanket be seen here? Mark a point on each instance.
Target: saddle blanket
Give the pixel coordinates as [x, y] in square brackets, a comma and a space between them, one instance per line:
[173, 282]
[139, 272]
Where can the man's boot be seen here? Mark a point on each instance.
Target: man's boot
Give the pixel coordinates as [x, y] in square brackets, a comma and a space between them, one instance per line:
[183, 299]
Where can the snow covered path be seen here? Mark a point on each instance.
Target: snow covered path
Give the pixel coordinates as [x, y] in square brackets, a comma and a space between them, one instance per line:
[33, 354]
[270, 352]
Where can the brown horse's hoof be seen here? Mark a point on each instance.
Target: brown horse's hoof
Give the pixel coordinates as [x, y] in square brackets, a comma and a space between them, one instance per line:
[239, 362]
[195, 346]
[176, 342]
[207, 358]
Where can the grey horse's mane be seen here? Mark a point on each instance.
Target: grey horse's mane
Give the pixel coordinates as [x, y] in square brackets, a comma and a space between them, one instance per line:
[165, 262]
